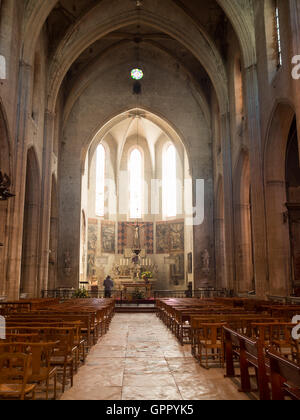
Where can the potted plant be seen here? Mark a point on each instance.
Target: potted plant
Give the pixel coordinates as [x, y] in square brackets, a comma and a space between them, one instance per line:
[81, 294]
[138, 295]
[147, 276]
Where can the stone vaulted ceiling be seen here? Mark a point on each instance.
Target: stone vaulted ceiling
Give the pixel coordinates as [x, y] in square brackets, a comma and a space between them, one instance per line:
[207, 15]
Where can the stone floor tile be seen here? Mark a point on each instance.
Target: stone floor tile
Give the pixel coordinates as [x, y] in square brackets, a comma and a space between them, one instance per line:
[139, 359]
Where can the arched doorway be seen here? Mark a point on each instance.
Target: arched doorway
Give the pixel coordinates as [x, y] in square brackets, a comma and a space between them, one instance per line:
[293, 204]
[29, 268]
[243, 226]
[53, 240]
[278, 229]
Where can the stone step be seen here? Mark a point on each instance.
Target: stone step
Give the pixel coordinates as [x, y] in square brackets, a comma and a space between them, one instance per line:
[127, 309]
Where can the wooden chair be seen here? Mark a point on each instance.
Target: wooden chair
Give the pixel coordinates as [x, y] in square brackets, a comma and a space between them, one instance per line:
[295, 345]
[285, 377]
[42, 371]
[63, 358]
[14, 376]
[211, 344]
[21, 338]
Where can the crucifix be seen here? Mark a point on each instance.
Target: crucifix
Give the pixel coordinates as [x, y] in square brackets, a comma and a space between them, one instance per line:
[137, 236]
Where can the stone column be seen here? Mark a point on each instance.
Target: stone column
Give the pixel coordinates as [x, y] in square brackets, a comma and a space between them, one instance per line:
[69, 216]
[278, 239]
[244, 266]
[220, 254]
[295, 50]
[46, 202]
[15, 223]
[228, 202]
[257, 182]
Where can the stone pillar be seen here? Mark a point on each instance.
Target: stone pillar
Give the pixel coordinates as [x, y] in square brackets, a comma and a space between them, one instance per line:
[15, 223]
[228, 202]
[257, 183]
[278, 239]
[295, 50]
[244, 266]
[69, 217]
[220, 254]
[46, 202]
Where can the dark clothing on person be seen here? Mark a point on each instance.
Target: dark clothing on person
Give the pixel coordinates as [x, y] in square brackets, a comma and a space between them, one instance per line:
[108, 285]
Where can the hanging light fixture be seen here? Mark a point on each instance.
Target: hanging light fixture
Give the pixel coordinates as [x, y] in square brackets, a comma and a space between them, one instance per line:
[138, 3]
[137, 73]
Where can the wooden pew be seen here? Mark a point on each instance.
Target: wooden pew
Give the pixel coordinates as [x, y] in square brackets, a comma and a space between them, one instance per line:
[250, 353]
[285, 377]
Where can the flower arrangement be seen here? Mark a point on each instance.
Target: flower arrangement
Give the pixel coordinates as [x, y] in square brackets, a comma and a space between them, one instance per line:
[81, 294]
[147, 275]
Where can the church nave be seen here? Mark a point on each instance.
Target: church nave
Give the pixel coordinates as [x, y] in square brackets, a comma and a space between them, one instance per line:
[139, 359]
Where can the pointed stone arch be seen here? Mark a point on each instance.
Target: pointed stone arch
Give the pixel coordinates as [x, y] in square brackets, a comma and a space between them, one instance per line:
[240, 14]
[278, 239]
[100, 20]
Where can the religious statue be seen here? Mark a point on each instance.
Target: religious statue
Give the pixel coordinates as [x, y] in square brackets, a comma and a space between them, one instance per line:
[116, 270]
[67, 263]
[205, 260]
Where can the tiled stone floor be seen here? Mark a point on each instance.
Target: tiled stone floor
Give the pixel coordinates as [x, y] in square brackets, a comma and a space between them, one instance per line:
[139, 359]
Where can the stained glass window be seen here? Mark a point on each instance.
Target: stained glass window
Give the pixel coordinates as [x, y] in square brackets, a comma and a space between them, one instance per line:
[169, 182]
[135, 182]
[137, 74]
[100, 181]
[278, 34]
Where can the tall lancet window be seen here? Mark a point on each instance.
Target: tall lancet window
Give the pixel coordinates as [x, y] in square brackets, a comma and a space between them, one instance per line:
[100, 181]
[278, 34]
[169, 182]
[136, 184]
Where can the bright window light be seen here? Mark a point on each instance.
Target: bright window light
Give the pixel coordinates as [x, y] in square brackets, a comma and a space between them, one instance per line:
[135, 182]
[169, 182]
[100, 181]
[278, 35]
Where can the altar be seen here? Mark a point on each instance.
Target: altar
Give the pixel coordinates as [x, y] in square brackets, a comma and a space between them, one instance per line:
[128, 274]
[137, 286]
[135, 270]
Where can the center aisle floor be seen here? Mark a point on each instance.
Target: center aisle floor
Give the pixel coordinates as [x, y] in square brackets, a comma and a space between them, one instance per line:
[139, 359]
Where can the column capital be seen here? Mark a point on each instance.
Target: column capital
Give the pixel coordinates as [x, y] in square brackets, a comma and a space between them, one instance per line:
[252, 67]
[25, 65]
[275, 182]
[242, 206]
[49, 114]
